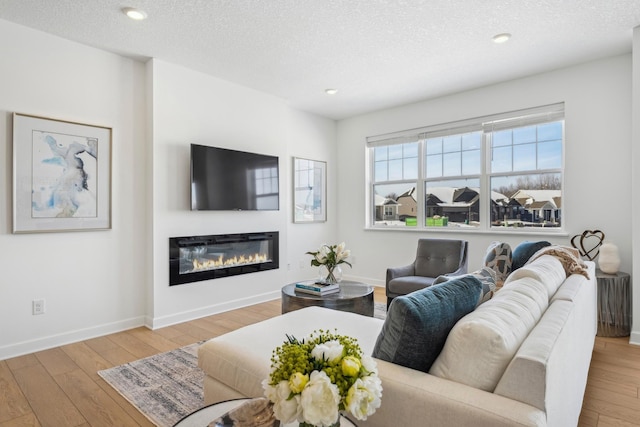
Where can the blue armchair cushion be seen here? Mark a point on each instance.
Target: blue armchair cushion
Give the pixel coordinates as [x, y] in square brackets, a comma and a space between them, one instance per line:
[417, 324]
[524, 251]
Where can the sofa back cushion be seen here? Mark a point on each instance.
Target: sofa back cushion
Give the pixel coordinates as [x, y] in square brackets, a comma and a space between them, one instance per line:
[417, 324]
[481, 345]
[551, 367]
[531, 363]
[547, 269]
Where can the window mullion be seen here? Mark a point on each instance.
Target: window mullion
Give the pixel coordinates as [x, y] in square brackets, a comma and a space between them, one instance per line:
[420, 191]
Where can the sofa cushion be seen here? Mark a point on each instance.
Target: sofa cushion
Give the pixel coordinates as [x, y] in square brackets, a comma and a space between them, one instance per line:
[524, 251]
[498, 258]
[530, 365]
[417, 324]
[481, 345]
[547, 269]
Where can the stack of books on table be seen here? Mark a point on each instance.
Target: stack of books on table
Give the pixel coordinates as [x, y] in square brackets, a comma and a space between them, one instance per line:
[317, 288]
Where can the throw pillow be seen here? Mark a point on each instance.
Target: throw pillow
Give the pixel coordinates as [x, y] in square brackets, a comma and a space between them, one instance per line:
[524, 251]
[417, 324]
[487, 277]
[498, 258]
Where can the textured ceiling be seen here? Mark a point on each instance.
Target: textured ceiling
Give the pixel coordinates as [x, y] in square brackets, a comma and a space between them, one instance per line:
[377, 53]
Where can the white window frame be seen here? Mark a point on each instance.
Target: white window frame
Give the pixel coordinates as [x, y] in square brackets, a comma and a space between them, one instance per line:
[486, 124]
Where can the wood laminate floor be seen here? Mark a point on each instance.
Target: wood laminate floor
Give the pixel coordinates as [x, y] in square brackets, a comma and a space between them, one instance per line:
[60, 387]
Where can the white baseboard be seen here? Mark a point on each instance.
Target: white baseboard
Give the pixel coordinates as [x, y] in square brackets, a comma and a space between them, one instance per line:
[44, 343]
[634, 338]
[367, 280]
[186, 316]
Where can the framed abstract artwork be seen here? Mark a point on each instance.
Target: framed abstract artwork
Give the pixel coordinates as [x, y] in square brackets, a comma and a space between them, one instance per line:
[61, 175]
[309, 190]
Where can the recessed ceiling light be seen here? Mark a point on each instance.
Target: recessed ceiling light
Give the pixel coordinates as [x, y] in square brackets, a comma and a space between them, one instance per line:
[331, 91]
[134, 13]
[501, 38]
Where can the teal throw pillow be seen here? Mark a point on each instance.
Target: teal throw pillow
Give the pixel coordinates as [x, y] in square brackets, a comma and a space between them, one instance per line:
[417, 324]
[485, 275]
[524, 251]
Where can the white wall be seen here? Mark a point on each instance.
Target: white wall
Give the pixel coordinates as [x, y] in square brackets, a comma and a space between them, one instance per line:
[190, 107]
[100, 282]
[635, 194]
[90, 280]
[597, 188]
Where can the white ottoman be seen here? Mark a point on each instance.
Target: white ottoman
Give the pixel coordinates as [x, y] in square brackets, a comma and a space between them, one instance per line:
[236, 363]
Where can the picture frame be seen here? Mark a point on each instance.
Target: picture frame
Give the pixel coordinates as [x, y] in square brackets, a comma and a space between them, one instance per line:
[309, 190]
[61, 175]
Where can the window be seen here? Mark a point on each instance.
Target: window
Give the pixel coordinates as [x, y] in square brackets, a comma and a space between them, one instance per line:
[266, 186]
[499, 171]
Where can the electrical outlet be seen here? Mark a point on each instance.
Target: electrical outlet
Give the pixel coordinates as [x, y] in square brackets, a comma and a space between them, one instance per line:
[289, 267]
[37, 306]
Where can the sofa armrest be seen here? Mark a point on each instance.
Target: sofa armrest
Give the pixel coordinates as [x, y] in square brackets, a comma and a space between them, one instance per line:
[393, 272]
[412, 398]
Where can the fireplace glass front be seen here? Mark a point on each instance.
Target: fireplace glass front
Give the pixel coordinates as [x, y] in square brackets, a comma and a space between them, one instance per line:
[196, 258]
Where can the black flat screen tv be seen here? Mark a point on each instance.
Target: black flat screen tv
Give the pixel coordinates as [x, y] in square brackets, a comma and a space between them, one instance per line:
[230, 180]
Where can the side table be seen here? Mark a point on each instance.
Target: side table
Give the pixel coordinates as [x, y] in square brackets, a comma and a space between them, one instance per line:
[353, 296]
[206, 416]
[614, 304]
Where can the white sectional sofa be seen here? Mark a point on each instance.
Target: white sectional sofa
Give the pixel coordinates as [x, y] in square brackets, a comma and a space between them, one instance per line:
[493, 371]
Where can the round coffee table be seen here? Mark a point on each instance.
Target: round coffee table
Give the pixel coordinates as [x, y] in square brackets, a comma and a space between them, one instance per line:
[354, 297]
[207, 415]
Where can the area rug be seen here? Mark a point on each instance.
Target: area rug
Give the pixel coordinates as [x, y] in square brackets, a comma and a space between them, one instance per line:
[164, 388]
[380, 310]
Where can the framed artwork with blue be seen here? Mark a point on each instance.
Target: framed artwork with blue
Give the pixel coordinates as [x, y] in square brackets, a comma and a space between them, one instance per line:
[61, 175]
[309, 190]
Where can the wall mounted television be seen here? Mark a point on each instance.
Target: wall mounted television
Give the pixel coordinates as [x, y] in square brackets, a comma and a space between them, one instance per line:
[231, 180]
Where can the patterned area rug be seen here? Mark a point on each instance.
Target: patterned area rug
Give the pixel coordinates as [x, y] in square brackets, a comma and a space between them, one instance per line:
[168, 386]
[380, 310]
[164, 388]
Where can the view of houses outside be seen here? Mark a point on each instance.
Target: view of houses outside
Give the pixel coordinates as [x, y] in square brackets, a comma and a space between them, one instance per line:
[460, 207]
[522, 182]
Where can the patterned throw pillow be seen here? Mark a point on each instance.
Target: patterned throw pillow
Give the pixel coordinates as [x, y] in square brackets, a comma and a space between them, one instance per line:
[487, 277]
[498, 258]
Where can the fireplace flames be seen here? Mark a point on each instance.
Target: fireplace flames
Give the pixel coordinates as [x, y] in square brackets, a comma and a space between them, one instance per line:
[220, 262]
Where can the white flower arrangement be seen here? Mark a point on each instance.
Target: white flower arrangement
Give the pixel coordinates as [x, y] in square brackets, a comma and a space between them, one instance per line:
[312, 380]
[330, 256]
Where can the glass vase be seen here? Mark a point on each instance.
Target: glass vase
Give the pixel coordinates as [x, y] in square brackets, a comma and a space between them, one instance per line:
[336, 424]
[330, 274]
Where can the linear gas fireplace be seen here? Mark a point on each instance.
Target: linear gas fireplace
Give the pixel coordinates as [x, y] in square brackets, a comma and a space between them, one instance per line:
[196, 258]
